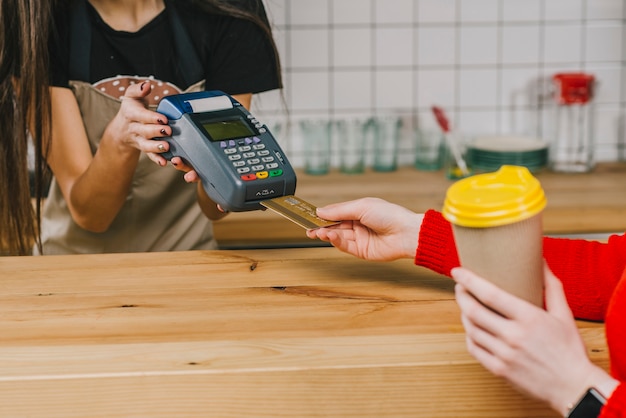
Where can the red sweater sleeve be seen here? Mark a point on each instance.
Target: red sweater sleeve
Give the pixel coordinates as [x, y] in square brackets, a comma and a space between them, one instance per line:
[615, 406]
[589, 270]
[435, 247]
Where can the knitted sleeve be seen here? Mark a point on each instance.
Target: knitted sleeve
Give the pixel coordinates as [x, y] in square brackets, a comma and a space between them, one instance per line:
[616, 405]
[435, 248]
[589, 270]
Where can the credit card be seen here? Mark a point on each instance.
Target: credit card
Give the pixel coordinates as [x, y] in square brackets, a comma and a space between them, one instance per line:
[297, 211]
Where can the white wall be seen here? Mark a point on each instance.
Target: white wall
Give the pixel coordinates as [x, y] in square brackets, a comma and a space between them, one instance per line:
[481, 60]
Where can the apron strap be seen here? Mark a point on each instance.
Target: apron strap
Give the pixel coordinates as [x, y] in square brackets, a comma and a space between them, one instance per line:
[190, 66]
[80, 42]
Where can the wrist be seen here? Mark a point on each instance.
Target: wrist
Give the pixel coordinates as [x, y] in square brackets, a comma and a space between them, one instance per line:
[589, 405]
[411, 237]
[598, 380]
[210, 209]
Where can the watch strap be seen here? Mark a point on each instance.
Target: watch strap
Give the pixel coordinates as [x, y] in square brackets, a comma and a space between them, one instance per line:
[589, 406]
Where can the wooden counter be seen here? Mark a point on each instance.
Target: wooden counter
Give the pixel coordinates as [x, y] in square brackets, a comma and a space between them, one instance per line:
[244, 333]
[577, 203]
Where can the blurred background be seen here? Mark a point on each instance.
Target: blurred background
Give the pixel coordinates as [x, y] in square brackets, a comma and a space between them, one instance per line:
[487, 63]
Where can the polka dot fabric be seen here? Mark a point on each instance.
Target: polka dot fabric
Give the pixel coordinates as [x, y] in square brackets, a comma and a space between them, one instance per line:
[116, 87]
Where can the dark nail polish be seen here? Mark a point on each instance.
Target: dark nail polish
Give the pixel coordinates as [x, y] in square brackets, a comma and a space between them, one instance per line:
[162, 131]
[161, 121]
[143, 85]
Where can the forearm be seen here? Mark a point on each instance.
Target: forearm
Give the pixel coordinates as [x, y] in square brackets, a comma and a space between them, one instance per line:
[208, 206]
[100, 192]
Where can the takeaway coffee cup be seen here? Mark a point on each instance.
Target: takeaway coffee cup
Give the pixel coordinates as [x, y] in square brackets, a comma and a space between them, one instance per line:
[496, 219]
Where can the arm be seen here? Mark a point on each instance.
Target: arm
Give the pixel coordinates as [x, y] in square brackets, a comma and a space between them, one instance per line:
[95, 186]
[539, 351]
[377, 230]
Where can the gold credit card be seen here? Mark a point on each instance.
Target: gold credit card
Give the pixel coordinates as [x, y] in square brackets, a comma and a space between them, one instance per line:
[298, 211]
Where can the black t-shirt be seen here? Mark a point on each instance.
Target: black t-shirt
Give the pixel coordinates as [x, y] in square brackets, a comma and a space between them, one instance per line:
[236, 54]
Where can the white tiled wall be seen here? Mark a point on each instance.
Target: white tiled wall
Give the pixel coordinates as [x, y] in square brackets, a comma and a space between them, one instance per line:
[481, 60]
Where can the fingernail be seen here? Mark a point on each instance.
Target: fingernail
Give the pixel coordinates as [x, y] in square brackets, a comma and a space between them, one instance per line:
[161, 121]
[161, 147]
[174, 163]
[162, 131]
[143, 85]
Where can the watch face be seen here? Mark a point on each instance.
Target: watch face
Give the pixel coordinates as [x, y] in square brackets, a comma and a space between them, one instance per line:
[589, 406]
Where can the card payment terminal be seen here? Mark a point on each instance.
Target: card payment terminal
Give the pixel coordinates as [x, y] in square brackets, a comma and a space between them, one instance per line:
[236, 157]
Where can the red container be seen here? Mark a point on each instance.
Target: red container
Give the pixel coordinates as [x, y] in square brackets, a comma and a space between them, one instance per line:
[573, 87]
[572, 138]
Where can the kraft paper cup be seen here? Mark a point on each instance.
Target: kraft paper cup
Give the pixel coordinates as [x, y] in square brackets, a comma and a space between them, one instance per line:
[497, 223]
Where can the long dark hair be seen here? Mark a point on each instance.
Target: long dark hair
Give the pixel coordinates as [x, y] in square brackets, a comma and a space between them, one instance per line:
[24, 116]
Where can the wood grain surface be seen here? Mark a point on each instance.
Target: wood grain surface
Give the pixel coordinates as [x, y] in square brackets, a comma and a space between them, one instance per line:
[306, 332]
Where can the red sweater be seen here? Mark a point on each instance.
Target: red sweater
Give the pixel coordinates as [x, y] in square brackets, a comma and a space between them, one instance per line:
[593, 276]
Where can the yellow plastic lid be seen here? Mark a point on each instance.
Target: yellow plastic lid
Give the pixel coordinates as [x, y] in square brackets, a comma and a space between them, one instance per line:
[508, 195]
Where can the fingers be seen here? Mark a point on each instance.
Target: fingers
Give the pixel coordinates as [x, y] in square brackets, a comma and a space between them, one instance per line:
[350, 211]
[156, 149]
[143, 125]
[556, 302]
[138, 91]
[484, 347]
[135, 109]
[332, 233]
[476, 313]
[341, 236]
[491, 295]
[487, 332]
[191, 177]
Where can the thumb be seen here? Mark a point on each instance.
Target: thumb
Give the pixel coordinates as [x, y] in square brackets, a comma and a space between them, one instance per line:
[345, 211]
[556, 302]
[138, 90]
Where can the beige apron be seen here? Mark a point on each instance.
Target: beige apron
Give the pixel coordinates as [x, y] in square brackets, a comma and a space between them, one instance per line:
[161, 212]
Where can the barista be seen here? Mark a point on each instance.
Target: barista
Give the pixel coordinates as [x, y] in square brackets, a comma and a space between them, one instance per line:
[112, 62]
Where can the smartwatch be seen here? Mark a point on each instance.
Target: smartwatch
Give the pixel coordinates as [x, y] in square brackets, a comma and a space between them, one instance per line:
[589, 406]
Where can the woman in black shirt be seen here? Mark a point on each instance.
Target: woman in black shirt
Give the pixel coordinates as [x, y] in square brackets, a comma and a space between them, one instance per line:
[111, 63]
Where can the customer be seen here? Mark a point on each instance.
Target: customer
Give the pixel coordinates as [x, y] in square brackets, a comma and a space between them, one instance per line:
[112, 61]
[538, 351]
[24, 98]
